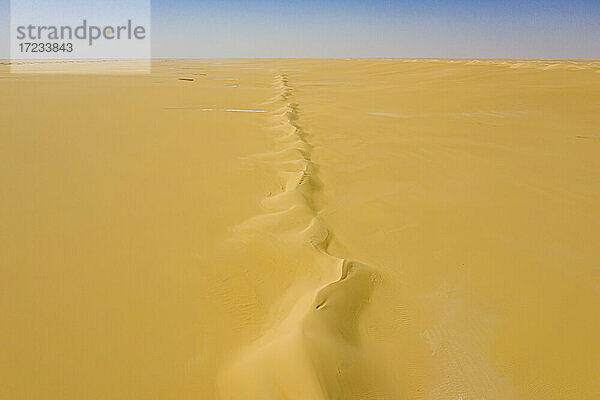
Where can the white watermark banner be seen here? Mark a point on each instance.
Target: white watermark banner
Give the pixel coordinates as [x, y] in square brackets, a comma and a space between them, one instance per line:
[85, 36]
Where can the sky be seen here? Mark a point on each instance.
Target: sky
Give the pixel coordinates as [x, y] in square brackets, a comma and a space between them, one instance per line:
[335, 28]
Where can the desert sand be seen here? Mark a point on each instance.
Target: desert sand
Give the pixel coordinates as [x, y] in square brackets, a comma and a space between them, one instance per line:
[302, 229]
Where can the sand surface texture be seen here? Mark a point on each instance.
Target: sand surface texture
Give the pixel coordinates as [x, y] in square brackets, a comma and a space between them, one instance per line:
[302, 230]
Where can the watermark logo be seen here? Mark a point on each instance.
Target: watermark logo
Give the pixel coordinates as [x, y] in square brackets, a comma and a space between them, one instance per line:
[53, 36]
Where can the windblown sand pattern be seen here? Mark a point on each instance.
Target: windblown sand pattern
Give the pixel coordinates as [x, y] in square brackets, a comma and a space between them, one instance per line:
[301, 229]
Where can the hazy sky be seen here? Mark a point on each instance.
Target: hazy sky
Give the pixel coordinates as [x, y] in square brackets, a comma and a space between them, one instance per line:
[320, 28]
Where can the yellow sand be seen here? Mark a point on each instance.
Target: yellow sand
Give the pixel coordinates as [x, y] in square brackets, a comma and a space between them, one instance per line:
[302, 229]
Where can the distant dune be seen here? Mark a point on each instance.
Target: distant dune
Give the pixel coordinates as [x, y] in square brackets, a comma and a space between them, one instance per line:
[301, 229]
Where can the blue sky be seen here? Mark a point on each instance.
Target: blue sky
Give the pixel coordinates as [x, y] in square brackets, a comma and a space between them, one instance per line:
[319, 28]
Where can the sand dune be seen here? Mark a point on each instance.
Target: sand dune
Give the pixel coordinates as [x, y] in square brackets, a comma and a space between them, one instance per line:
[302, 229]
[314, 352]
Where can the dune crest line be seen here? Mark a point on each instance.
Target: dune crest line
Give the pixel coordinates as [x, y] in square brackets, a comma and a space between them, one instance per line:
[315, 351]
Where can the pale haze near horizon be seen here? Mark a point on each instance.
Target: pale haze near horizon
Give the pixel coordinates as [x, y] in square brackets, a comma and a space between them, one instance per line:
[187, 29]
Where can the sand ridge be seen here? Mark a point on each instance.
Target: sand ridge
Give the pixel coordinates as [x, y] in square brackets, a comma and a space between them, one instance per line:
[307, 355]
